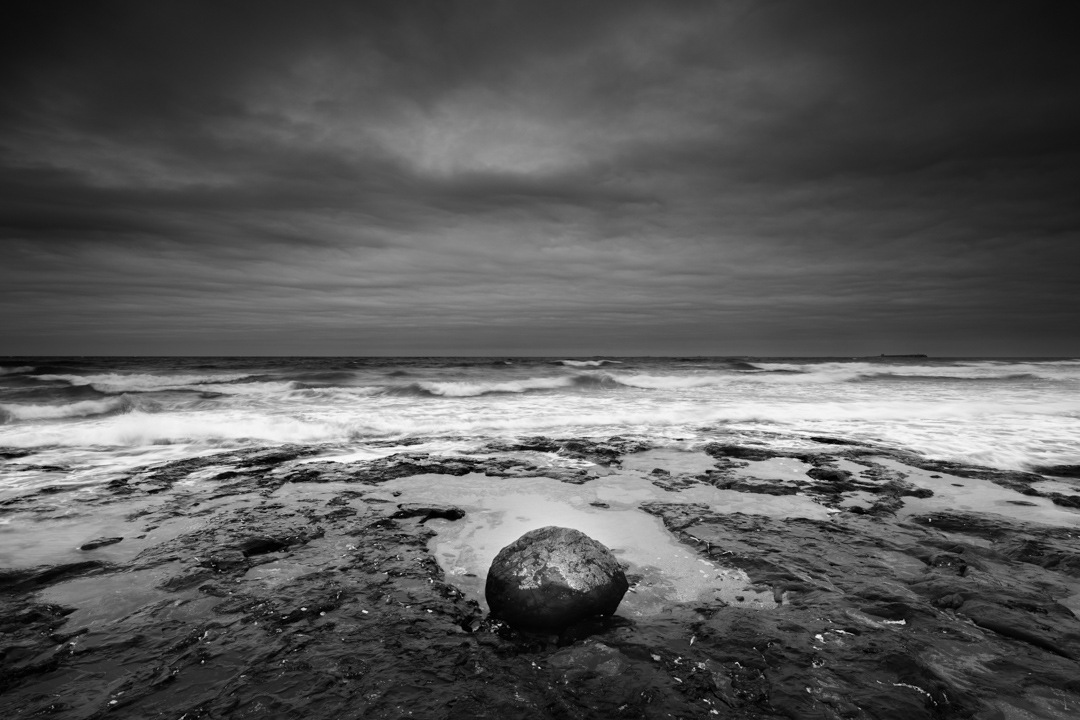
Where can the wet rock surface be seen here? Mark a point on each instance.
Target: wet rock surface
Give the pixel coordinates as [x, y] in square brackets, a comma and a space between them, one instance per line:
[262, 584]
[100, 542]
[554, 577]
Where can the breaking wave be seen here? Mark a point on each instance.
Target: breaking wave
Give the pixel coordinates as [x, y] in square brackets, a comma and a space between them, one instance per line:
[1012, 414]
[16, 370]
[473, 389]
[588, 363]
[857, 371]
[741, 365]
[668, 382]
[323, 379]
[950, 378]
[333, 393]
[231, 384]
[962, 430]
[85, 408]
[640, 381]
[116, 382]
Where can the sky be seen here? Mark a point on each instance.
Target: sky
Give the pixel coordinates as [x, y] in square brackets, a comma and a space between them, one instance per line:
[539, 178]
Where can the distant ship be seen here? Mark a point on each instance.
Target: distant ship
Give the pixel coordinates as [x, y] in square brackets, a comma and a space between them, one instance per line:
[903, 356]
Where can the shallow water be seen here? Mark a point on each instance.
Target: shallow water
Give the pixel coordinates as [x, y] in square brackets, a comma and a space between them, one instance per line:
[976, 495]
[778, 468]
[103, 600]
[499, 511]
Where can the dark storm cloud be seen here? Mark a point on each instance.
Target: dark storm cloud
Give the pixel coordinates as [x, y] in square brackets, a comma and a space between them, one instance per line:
[728, 177]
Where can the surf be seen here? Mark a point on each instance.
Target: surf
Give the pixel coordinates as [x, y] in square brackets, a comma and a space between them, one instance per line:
[143, 382]
[85, 408]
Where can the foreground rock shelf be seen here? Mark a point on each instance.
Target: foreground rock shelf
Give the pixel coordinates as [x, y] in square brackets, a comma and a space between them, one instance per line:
[280, 583]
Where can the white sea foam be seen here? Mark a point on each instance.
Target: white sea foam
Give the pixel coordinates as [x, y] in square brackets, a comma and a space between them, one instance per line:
[1020, 422]
[916, 421]
[138, 429]
[14, 370]
[84, 408]
[789, 414]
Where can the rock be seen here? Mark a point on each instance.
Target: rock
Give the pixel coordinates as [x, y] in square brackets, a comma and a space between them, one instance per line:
[1014, 624]
[602, 452]
[100, 542]
[829, 475]
[21, 579]
[553, 577]
[260, 545]
[718, 450]
[428, 512]
[591, 657]
[1059, 470]
[1069, 501]
[224, 559]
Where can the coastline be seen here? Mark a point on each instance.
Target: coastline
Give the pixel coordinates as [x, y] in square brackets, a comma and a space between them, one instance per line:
[286, 581]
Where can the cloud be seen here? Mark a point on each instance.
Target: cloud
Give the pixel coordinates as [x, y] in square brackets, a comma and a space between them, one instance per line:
[547, 178]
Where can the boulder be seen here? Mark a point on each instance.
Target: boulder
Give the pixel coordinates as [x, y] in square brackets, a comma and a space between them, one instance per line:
[553, 577]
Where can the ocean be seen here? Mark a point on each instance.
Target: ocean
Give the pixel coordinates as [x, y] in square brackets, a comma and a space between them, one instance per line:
[98, 415]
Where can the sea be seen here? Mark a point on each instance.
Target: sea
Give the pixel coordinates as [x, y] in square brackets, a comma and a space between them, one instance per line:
[96, 416]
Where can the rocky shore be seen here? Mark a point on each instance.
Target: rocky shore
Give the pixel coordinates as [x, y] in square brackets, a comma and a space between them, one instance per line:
[282, 582]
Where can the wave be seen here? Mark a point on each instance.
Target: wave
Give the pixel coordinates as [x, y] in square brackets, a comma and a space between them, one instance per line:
[141, 382]
[463, 388]
[19, 370]
[458, 389]
[323, 379]
[856, 371]
[678, 382]
[85, 408]
[534, 384]
[742, 365]
[48, 394]
[949, 378]
[473, 389]
[1013, 435]
[731, 376]
[232, 383]
[335, 393]
[588, 363]
[272, 387]
[666, 382]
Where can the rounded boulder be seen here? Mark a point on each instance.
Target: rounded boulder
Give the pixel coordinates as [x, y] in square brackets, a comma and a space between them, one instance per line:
[553, 577]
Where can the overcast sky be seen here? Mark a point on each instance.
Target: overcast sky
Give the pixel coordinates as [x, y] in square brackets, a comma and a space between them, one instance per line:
[582, 178]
